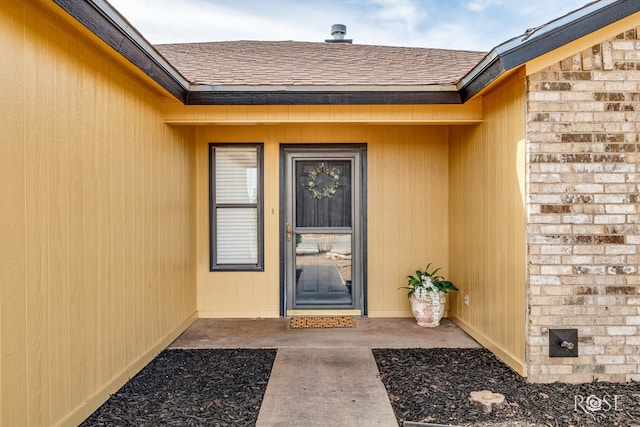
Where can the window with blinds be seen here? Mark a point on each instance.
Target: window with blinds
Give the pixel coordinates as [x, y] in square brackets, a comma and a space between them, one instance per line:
[236, 207]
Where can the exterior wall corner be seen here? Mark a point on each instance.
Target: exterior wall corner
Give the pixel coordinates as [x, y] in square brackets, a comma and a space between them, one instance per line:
[583, 179]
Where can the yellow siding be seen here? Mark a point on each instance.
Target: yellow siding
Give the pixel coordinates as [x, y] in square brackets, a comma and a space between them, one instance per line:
[487, 225]
[179, 114]
[407, 213]
[97, 223]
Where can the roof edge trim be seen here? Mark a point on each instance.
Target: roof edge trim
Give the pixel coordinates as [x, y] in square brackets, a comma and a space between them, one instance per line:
[112, 28]
[563, 30]
[539, 41]
[323, 88]
[333, 97]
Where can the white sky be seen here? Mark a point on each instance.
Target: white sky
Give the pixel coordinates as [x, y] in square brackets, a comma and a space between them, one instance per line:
[450, 24]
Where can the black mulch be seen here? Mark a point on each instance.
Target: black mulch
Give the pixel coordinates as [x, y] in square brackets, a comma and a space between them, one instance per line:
[192, 388]
[433, 386]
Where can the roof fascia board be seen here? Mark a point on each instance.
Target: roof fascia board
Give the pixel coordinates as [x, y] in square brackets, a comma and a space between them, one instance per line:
[486, 72]
[564, 30]
[322, 98]
[323, 88]
[107, 24]
[537, 42]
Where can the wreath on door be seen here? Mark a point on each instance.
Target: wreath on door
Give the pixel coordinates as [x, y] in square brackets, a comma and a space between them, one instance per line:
[329, 190]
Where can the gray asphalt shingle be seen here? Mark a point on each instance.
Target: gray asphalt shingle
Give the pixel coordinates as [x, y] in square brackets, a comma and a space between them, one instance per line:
[253, 63]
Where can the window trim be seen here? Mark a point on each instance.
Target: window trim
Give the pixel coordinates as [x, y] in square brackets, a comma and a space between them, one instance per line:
[259, 205]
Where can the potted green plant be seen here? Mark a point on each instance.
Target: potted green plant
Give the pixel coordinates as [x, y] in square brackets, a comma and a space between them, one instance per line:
[427, 295]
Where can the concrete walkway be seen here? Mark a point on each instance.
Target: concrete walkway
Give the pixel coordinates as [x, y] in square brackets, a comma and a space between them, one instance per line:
[325, 387]
[323, 377]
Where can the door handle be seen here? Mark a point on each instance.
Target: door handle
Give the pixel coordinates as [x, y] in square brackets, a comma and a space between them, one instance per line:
[288, 232]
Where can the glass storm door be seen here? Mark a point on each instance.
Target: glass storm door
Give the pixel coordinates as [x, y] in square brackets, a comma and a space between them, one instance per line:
[323, 254]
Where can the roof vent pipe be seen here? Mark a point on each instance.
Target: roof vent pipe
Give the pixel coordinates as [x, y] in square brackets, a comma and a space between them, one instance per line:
[338, 31]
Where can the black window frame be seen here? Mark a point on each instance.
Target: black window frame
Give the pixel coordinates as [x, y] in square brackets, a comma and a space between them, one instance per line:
[213, 207]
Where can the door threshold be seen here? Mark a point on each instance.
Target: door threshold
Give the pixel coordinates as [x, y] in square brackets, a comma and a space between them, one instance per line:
[335, 312]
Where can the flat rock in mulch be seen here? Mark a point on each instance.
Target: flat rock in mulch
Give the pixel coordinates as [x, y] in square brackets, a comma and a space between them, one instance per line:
[192, 388]
[487, 400]
[433, 386]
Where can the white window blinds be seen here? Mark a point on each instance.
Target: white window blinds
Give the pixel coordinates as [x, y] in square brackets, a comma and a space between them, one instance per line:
[236, 178]
[236, 223]
[237, 236]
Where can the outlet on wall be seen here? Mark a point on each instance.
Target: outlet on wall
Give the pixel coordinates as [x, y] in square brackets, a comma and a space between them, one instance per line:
[466, 300]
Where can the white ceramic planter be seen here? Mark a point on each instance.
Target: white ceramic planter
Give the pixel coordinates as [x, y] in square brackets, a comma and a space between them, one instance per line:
[426, 313]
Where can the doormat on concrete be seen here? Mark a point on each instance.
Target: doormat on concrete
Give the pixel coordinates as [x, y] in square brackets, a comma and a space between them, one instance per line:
[323, 322]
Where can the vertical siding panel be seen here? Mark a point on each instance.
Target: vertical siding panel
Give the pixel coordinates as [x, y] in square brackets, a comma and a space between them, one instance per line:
[390, 266]
[172, 295]
[455, 229]
[148, 233]
[138, 254]
[154, 279]
[490, 236]
[157, 148]
[13, 310]
[108, 314]
[175, 296]
[165, 225]
[100, 298]
[58, 249]
[37, 237]
[376, 225]
[88, 311]
[499, 215]
[490, 214]
[115, 133]
[517, 300]
[128, 188]
[191, 206]
[77, 322]
[205, 294]
[178, 247]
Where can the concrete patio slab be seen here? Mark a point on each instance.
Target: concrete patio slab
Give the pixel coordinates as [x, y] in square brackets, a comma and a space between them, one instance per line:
[276, 333]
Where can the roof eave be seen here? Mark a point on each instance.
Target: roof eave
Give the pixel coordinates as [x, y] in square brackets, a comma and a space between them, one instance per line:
[106, 23]
[322, 97]
[537, 42]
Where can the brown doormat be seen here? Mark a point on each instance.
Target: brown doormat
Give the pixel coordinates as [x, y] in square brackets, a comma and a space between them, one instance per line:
[323, 322]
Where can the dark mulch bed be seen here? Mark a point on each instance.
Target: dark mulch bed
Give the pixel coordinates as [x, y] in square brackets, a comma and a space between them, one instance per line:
[192, 388]
[433, 386]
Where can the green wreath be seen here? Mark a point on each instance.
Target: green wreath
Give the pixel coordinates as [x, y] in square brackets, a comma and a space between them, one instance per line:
[330, 189]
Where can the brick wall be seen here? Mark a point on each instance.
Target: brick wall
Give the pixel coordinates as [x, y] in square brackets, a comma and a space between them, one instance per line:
[583, 132]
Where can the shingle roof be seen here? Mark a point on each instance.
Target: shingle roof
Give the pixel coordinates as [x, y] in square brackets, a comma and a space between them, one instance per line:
[254, 63]
[400, 69]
